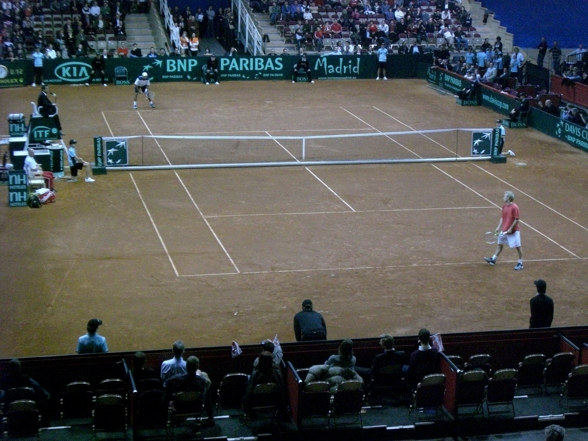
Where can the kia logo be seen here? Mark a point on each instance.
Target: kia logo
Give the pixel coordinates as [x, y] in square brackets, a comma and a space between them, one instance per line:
[73, 71]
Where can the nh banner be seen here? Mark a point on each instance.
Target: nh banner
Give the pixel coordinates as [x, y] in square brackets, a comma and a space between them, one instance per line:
[123, 71]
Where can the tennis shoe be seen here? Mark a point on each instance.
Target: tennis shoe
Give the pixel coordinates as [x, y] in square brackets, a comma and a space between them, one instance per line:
[519, 267]
[377, 78]
[216, 82]
[89, 179]
[490, 260]
[87, 84]
[207, 83]
[312, 82]
[152, 105]
[34, 85]
[385, 79]
[134, 106]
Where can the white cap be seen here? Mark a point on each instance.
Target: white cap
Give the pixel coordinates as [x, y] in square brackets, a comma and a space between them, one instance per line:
[144, 74]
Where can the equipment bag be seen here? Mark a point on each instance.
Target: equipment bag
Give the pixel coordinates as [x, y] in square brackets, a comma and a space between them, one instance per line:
[33, 201]
[45, 195]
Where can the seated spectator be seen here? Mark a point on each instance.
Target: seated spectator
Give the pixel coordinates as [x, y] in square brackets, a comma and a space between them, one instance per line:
[194, 380]
[140, 372]
[523, 107]
[274, 348]
[344, 357]
[176, 366]
[549, 107]
[265, 373]
[334, 375]
[92, 343]
[571, 77]
[15, 377]
[308, 324]
[490, 74]
[423, 361]
[135, 51]
[390, 357]
[123, 50]
[152, 53]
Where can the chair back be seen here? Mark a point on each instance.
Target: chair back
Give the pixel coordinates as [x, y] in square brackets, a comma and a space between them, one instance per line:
[110, 413]
[558, 368]
[22, 405]
[316, 386]
[433, 379]
[77, 400]
[152, 409]
[149, 384]
[189, 402]
[471, 388]
[19, 393]
[231, 390]
[112, 386]
[502, 386]
[22, 419]
[350, 385]
[348, 400]
[479, 361]
[531, 370]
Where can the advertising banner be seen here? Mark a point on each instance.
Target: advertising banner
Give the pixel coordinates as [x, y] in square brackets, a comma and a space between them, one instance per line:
[13, 73]
[124, 71]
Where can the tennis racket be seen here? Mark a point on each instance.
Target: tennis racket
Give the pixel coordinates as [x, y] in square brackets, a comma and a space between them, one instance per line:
[491, 237]
[150, 95]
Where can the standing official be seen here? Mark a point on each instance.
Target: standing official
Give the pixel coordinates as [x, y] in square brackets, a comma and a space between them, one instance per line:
[541, 307]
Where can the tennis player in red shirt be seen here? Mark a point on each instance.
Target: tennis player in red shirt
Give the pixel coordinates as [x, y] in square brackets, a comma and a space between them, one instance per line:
[508, 229]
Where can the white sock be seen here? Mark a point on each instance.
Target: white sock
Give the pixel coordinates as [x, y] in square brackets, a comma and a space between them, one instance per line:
[494, 257]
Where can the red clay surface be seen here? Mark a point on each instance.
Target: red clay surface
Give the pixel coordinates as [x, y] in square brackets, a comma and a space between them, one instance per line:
[210, 256]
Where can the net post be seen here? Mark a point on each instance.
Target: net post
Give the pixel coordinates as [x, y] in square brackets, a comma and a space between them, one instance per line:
[303, 149]
[98, 168]
[496, 157]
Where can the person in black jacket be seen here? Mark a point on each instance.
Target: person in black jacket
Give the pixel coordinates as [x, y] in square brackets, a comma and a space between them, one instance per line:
[390, 357]
[308, 324]
[99, 67]
[47, 109]
[541, 307]
[302, 67]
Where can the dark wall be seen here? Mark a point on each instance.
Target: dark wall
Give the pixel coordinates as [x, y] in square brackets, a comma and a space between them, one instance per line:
[195, 4]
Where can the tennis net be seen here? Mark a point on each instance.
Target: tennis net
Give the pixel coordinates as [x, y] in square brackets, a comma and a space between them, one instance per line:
[209, 151]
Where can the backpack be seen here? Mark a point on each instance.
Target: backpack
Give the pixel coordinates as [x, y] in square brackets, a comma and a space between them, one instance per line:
[45, 195]
[33, 201]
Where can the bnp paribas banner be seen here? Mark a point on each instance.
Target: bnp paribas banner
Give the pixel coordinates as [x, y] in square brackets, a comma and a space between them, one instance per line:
[13, 73]
[123, 71]
[565, 131]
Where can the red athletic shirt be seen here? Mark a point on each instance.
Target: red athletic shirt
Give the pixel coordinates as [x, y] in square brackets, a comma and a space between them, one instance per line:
[509, 214]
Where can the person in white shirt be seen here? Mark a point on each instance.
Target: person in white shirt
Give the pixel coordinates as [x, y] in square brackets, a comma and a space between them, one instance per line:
[31, 167]
[491, 73]
[95, 10]
[141, 85]
[50, 52]
[176, 366]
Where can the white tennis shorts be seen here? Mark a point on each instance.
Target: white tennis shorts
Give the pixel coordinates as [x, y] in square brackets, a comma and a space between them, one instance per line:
[513, 240]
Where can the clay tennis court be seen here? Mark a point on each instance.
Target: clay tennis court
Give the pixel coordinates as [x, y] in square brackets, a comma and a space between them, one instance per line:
[216, 255]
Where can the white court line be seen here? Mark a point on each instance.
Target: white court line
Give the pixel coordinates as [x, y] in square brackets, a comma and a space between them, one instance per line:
[417, 265]
[477, 193]
[193, 203]
[154, 225]
[107, 125]
[313, 174]
[314, 213]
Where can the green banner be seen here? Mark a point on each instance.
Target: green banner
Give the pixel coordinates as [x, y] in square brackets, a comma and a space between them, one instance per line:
[499, 102]
[161, 69]
[574, 135]
[14, 73]
[447, 80]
